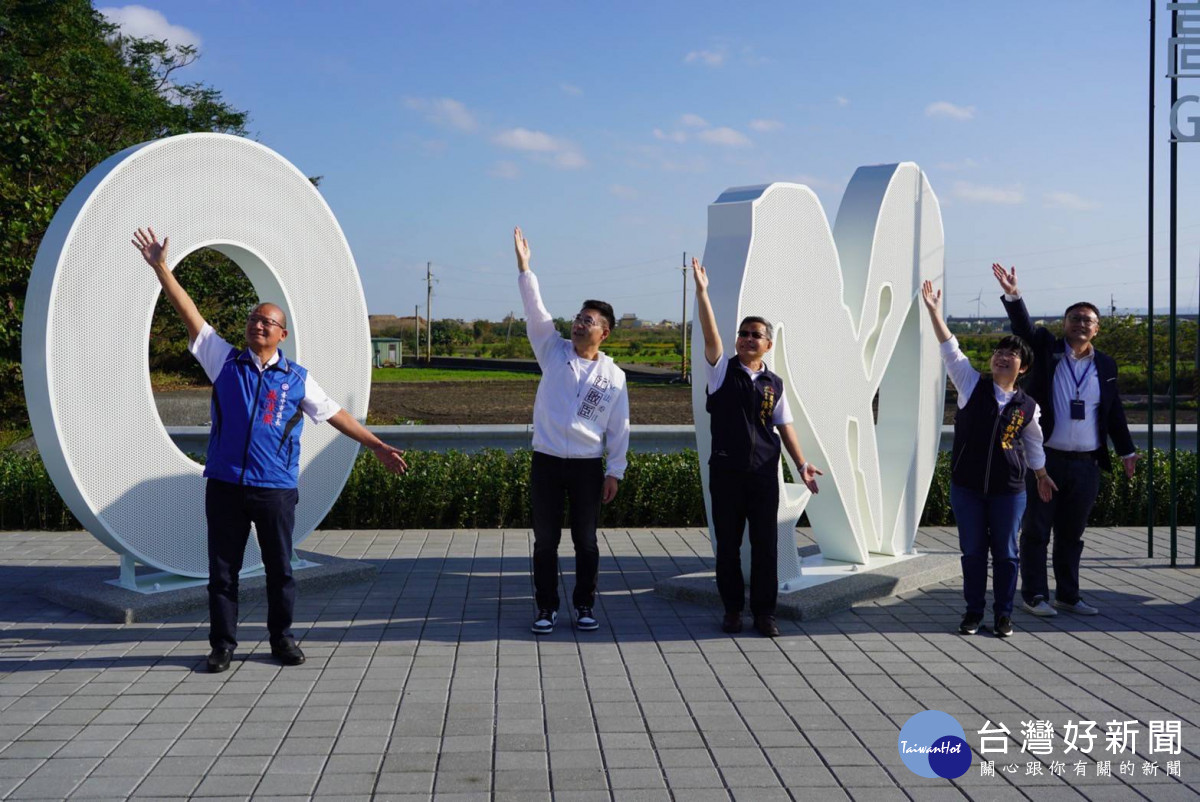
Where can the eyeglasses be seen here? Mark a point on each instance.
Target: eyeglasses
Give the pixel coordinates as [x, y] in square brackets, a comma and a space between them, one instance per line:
[588, 320]
[753, 335]
[1004, 352]
[1083, 320]
[265, 322]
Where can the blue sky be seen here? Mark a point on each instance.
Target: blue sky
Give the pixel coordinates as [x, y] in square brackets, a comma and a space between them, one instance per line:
[606, 129]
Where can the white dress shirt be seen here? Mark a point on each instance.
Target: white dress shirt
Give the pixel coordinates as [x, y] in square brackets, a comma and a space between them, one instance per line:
[715, 376]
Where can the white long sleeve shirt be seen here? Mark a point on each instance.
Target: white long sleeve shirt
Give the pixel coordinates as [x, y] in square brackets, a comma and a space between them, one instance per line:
[582, 407]
[965, 378]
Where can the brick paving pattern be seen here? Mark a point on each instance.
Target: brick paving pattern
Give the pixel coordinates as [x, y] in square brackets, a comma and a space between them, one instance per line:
[427, 683]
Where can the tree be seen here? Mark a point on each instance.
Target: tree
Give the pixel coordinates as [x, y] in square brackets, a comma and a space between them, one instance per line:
[73, 91]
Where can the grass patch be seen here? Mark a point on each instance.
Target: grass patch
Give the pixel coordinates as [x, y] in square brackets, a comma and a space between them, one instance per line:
[447, 374]
[10, 436]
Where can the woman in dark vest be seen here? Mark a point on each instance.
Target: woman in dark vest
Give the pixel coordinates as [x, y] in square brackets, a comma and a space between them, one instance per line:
[996, 438]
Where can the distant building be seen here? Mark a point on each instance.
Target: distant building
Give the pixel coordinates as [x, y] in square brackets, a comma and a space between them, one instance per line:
[386, 352]
[629, 321]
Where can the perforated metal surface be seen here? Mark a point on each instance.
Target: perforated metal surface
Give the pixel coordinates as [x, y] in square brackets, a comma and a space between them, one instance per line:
[88, 314]
[848, 322]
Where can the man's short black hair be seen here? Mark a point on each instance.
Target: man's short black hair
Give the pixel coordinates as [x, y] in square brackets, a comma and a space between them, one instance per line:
[1083, 305]
[605, 309]
[1011, 342]
[766, 324]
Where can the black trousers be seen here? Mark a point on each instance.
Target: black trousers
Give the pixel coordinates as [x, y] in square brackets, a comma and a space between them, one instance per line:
[230, 510]
[740, 498]
[579, 482]
[1078, 480]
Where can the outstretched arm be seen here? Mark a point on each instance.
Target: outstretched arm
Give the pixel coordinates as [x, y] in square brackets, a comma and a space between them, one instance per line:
[933, 304]
[713, 347]
[539, 326]
[155, 254]
[392, 458]
[808, 471]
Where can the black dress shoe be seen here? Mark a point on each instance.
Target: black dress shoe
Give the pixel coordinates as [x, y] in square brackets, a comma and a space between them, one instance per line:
[766, 626]
[732, 623]
[218, 660]
[287, 652]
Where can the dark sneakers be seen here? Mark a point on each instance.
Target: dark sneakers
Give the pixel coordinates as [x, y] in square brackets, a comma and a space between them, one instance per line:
[1004, 627]
[585, 619]
[765, 624]
[543, 623]
[732, 623]
[218, 660]
[287, 652]
[970, 623]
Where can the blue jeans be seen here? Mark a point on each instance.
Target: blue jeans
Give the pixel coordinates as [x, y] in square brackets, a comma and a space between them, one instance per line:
[988, 524]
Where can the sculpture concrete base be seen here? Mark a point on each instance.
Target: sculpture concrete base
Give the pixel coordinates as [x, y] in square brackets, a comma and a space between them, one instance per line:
[828, 587]
[95, 595]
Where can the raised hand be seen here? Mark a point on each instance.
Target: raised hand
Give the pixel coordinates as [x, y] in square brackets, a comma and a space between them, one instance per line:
[1008, 281]
[700, 275]
[933, 300]
[154, 252]
[521, 246]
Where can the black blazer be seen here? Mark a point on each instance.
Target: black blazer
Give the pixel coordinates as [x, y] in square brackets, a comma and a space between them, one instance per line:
[1048, 350]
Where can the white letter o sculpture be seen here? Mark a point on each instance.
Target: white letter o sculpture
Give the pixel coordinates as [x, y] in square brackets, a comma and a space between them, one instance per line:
[87, 321]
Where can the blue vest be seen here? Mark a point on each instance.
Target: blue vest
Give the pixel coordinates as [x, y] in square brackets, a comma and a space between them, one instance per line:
[256, 422]
[743, 437]
[989, 455]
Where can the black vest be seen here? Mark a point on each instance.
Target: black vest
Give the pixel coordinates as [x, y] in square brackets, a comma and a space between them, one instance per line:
[740, 411]
[989, 455]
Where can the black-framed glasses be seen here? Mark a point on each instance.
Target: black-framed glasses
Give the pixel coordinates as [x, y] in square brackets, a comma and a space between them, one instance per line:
[265, 322]
[753, 335]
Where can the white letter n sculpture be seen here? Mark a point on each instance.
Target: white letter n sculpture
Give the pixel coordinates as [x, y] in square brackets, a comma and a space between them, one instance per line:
[849, 331]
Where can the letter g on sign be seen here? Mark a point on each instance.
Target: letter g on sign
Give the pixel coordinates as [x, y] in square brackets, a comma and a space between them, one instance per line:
[87, 319]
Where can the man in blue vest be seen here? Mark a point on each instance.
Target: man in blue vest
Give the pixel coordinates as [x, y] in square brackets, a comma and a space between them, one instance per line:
[259, 402]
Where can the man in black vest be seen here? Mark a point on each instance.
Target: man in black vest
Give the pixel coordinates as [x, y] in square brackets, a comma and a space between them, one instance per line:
[746, 406]
[1076, 387]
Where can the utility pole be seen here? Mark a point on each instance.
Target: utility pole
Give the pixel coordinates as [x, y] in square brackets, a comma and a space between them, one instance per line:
[511, 315]
[683, 325]
[429, 313]
[417, 333]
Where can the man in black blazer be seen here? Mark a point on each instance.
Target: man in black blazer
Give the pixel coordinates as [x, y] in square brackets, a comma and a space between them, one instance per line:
[1076, 387]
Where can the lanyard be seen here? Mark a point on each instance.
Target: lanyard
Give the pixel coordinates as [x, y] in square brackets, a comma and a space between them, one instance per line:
[1082, 377]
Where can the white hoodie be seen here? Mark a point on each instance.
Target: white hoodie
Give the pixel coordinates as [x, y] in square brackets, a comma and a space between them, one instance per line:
[581, 404]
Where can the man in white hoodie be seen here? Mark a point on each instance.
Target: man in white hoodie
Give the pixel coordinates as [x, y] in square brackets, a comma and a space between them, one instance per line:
[581, 410]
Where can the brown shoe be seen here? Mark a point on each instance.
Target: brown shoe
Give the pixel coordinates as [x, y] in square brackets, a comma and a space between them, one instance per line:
[732, 623]
[765, 624]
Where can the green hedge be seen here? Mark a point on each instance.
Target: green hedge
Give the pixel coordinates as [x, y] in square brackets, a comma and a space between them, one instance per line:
[491, 489]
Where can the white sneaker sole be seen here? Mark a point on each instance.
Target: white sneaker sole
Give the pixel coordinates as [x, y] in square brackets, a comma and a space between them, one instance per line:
[1047, 612]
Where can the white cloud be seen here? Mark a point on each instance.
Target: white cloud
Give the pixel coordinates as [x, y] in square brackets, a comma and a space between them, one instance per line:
[444, 111]
[841, 101]
[140, 22]
[693, 121]
[560, 152]
[948, 110]
[570, 89]
[765, 126]
[978, 193]
[1069, 200]
[673, 136]
[622, 191]
[724, 136]
[505, 169]
[709, 58]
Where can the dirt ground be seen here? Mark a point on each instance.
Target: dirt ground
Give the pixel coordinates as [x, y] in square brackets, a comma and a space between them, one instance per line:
[508, 402]
[485, 402]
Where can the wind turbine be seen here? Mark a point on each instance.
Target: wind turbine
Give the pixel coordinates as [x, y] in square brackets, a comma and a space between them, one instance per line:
[978, 302]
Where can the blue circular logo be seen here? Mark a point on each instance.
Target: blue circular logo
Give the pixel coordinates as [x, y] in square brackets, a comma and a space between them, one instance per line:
[933, 744]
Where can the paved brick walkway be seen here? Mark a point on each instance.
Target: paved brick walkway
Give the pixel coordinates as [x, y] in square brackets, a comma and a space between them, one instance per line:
[427, 683]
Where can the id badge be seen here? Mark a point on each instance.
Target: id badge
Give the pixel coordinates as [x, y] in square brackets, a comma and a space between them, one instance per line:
[1077, 409]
